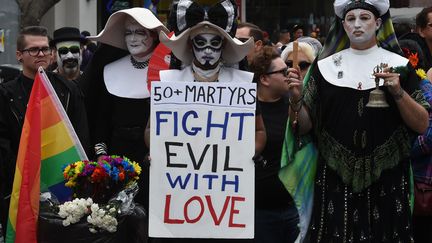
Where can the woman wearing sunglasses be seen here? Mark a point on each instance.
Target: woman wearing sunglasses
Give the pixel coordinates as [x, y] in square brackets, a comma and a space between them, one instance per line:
[276, 215]
[306, 55]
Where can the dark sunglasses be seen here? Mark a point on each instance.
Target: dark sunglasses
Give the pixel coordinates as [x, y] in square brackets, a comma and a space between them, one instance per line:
[284, 72]
[64, 50]
[303, 65]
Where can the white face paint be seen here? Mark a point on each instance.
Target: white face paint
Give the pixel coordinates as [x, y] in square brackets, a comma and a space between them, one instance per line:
[139, 40]
[360, 26]
[207, 49]
[69, 55]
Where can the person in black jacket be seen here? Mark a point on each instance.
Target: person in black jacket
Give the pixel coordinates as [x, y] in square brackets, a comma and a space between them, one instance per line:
[33, 51]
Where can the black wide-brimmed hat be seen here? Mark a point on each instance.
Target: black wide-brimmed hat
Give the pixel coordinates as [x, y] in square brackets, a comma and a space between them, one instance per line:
[67, 34]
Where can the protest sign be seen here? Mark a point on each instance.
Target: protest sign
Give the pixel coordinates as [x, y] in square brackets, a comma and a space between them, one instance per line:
[202, 174]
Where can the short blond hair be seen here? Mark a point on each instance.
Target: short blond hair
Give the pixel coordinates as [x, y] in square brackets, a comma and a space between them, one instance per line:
[303, 47]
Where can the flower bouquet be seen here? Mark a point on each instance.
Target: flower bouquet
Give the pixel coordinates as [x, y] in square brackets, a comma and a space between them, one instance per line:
[101, 180]
[102, 209]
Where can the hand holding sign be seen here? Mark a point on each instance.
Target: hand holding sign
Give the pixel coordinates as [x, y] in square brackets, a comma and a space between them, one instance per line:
[202, 140]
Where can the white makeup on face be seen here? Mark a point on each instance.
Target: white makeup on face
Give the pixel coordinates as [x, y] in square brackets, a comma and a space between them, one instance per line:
[207, 49]
[360, 26]
[69, 55]
[138, 39]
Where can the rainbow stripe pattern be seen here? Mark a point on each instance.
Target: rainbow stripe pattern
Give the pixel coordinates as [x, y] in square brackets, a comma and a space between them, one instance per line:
[48, 141]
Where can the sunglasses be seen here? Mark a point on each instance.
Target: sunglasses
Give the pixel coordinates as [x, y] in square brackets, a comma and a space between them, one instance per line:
[65, 50]
[303, 65]
[284, 72]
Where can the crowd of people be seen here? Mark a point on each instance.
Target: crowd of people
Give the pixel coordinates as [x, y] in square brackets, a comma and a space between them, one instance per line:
[370, 160]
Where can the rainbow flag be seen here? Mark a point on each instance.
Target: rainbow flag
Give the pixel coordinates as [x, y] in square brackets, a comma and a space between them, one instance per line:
[48, 141]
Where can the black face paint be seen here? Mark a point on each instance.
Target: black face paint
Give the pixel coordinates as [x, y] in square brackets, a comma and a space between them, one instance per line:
[207, 49]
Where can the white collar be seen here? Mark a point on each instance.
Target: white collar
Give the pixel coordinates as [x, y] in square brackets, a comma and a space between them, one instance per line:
[353, 68]
[226, 74]
[123, 80]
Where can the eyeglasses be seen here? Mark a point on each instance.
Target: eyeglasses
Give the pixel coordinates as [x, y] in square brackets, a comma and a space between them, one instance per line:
[34, 51]
[303, 65]
[65, 50]
[284, 72]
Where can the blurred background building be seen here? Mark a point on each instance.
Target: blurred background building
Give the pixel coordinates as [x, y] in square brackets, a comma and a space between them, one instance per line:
[91, 15]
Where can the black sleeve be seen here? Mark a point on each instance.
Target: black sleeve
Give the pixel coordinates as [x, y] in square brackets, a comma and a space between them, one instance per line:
[95, 94]
[102, 119]
[78, 117]
[258, 108]
[7, 158]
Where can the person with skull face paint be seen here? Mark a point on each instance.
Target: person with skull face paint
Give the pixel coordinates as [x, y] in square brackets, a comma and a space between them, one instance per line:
[362, 181]
[68, 45]
[115, 86]
[206, 49]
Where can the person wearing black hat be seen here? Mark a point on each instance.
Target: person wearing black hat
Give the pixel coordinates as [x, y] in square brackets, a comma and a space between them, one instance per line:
[68, 44]
[297, 31]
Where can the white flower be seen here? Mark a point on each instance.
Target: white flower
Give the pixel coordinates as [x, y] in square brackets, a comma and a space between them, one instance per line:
[74, 210]
[92, 230]
[100, 217]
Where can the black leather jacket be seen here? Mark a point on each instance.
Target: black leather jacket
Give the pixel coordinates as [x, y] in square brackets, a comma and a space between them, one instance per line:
[14, 96]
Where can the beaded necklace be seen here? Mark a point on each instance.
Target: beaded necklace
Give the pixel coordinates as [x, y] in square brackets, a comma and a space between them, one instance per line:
[139, 65]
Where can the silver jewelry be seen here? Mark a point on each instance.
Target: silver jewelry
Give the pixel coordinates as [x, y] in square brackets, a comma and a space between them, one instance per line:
[139, 65]
[337, 59]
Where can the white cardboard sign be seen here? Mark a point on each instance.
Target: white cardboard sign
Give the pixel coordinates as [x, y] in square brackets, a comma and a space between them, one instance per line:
[202, 174]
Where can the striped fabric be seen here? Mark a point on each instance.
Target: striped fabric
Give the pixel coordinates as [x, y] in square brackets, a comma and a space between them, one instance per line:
[48, 141]
[299, 165]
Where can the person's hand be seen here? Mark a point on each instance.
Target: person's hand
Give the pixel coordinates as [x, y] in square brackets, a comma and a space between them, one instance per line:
[259, 161]
[391, 81]
[100, 158]
[147, 160]
[295, 84]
